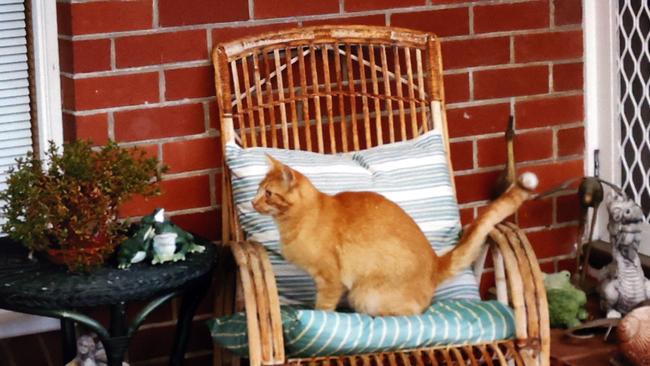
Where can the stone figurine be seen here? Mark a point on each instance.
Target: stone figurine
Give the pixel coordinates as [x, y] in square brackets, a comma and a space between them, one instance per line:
[566, 304]
[158, 239]
[623, 285]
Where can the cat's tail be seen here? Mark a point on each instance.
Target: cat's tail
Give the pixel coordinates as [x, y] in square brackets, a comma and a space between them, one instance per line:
[470, 244]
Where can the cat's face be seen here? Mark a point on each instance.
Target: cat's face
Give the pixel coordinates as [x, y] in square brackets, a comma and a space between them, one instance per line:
[276, 191]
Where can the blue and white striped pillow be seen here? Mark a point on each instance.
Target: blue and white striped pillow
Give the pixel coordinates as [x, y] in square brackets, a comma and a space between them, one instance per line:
[310, 333]
[414, 174]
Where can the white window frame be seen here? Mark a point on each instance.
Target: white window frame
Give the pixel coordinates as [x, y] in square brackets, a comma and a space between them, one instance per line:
[602, 92]
[48, 100]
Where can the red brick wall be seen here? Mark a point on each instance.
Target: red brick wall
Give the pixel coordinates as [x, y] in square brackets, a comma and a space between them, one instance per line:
[138, 72]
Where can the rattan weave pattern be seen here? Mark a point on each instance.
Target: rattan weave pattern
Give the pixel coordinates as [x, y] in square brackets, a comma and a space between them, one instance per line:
[41, 284]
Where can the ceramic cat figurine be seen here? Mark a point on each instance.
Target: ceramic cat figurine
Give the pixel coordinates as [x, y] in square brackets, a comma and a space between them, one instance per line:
[366, 245]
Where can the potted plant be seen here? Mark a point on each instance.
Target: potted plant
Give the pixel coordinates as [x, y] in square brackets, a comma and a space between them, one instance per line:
[67, 205]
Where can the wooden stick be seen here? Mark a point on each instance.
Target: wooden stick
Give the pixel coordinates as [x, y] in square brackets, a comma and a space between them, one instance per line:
[364, 97]
[422, 94]
[316, 86]
[411, 86]
[274, 304]
[254, 342]
[269, 100]
[339, 84]
[328, 98]
[283, 107]
[235, 80]
[388, 101]
[353, 102]
[305, 98]
[260, 100]
[400, 95]
[515, 284]
[375, 92]
[249, 102]
[292, 97]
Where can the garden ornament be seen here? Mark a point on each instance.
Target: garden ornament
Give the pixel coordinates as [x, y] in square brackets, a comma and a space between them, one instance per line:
[566, 304]
[154, 231]
[634, 336]
[623, 285]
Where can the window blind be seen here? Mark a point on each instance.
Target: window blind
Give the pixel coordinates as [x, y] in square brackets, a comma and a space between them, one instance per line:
[15, 119]
[15, 124]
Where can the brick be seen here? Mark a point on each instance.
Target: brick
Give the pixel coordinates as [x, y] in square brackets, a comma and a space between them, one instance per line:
[571, 141]
[568, 208]
[192, 82]
[456, 87]
[462, 155]
[536, 213]
[361, 5]
[289, 8]
[548, 267]
[477, 120]
[508, 82]
[466, 215]
[221, 35]
[444, 22]
[378, 19]
[536, 145]
[567, 264]
[509, 17]
[154, 49]
[188, 155]
[84, 56]
[553, 242]
[549, 111]
[568, 12]
[113, 91]
[110, 16]
[67, 92]
[177, 194]
[553, 174]
[568, 76]
[548, 46]
[475, 52]
[203, 224]
[189, 12]
[475, 187]
[154, 123]
[91, 127]
[64, 18]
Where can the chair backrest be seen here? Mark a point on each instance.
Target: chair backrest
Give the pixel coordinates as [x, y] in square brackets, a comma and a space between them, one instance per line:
[327, 89]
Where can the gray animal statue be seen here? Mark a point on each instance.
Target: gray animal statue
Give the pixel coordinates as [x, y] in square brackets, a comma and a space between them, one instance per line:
[622, 283]
[140, 245]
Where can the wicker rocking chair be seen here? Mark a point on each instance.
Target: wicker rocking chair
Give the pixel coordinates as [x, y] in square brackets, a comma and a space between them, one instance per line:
[341, 89]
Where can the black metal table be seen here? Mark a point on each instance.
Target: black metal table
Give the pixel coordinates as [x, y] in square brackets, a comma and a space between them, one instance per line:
[45, 289]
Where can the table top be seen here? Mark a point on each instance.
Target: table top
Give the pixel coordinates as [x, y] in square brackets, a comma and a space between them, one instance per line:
[41, 284]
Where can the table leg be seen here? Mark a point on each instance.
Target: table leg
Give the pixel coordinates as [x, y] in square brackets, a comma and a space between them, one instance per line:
[191, 299]
[69, 340]
[116, 347]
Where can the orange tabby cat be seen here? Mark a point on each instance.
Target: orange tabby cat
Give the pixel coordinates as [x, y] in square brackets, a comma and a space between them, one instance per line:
[365, 244]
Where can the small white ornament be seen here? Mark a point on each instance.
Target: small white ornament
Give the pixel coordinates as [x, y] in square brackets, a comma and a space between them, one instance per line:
[164, 246]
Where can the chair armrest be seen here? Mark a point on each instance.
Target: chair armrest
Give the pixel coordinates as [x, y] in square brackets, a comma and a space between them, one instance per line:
[262, 305]
[515, 263]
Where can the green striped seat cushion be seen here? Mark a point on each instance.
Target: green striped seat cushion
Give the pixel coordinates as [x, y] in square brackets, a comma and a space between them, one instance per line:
[311, 333]
[414, 174]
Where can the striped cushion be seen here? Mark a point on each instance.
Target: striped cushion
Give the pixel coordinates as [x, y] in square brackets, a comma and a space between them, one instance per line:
[310, 333]
[414, 174]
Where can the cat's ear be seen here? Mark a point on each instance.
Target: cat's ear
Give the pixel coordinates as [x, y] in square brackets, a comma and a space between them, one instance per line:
[288, 175]
[273, 162]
